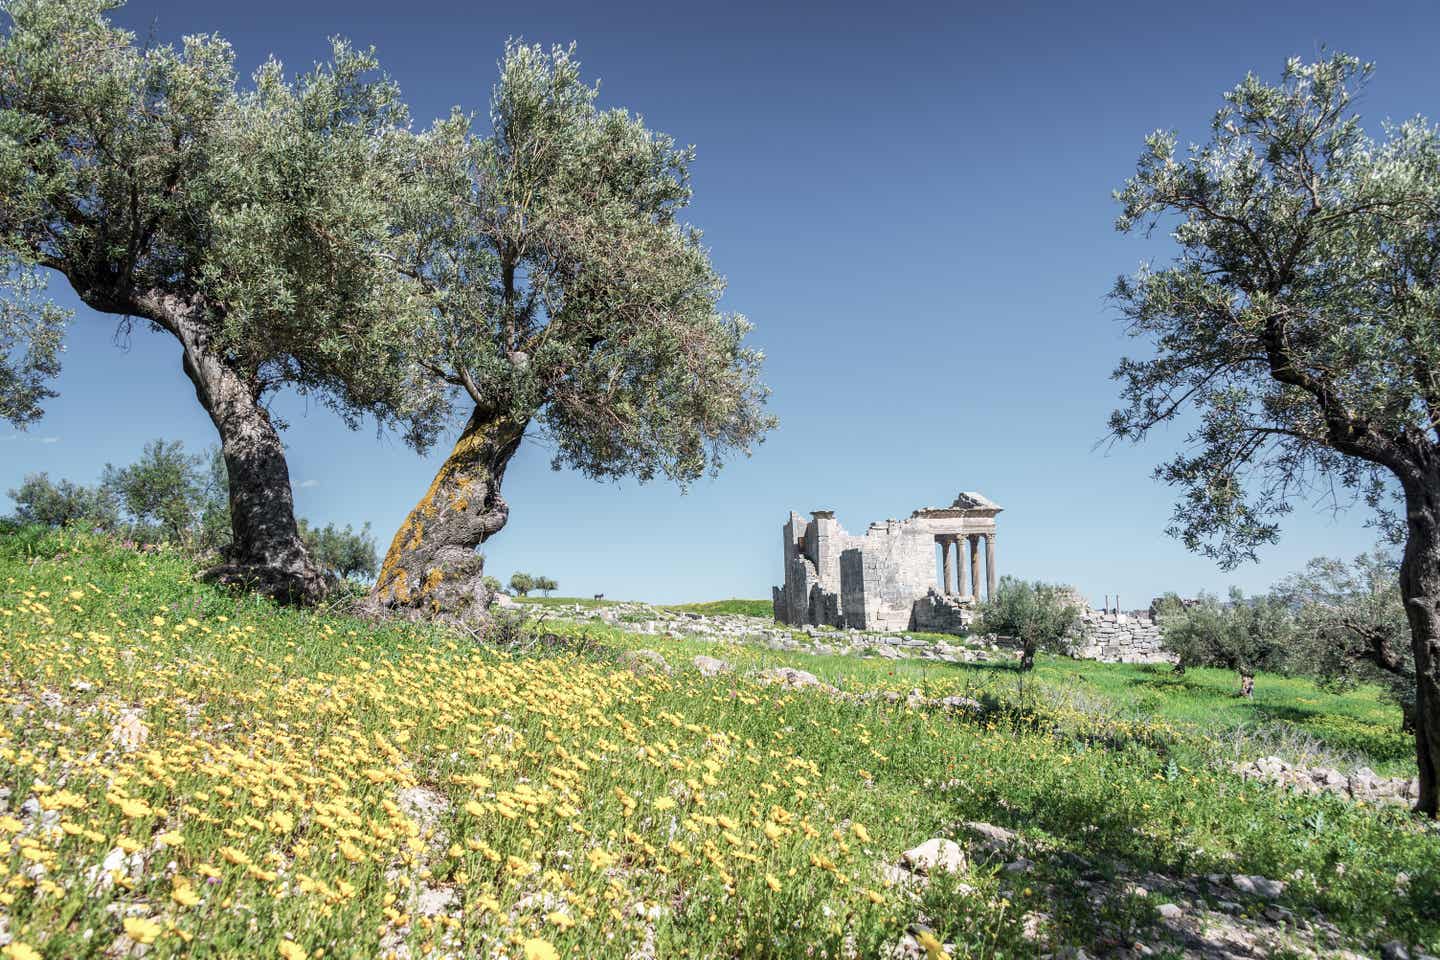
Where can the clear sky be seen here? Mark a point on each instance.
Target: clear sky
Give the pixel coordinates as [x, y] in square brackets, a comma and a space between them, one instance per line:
[911, 201]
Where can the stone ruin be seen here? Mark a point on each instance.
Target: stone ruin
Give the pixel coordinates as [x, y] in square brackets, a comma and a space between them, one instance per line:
[916, 574]
[886, 579]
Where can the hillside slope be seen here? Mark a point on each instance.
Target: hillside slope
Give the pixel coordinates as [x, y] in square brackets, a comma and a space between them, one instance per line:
[212, 776]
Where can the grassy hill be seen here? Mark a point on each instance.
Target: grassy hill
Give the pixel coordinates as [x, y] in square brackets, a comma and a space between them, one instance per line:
[213, 776]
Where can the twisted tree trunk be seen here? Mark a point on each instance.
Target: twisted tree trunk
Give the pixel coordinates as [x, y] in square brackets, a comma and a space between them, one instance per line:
[266, 553]
[432, 568]
[1420, 589]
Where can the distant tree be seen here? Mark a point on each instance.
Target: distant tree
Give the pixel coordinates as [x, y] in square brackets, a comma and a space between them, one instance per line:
[1244, 635]
[161, 492]
[1352, 626]
[1040, 615]
[491, 584]
[40, 501]
[570, 298]
[545, 585]
[252, 225]
[213, 533]
[1296, 328]
[343, 553]
[521, 584]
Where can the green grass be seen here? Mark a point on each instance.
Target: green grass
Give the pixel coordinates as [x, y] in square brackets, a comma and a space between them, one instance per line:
[539, 601]
[573, 796]
[748, 608]
[1292, 714]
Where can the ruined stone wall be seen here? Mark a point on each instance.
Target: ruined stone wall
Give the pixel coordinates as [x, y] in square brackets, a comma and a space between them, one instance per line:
[884, 572]
[937, 613]
[1119, 638]
[813, 585]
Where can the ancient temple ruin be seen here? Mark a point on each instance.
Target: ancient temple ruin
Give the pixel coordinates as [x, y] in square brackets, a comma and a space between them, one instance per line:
[899, 575]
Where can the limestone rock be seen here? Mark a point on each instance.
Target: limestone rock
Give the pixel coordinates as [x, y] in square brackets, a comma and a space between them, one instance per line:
[794, 679]
[990, 834]
[644, 661]
[433, 901]
[129, 732]
[711, 666]
[1256, 886]
[935, 854]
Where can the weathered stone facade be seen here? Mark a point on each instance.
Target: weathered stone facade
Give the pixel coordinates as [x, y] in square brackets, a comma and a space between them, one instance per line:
[886, 578]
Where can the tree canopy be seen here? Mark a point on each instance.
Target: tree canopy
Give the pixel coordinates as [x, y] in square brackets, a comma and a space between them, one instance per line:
[570, 297]
[567, 288]
[1297, 331]
[1351, 624]
[250, 221]
[1297, 324]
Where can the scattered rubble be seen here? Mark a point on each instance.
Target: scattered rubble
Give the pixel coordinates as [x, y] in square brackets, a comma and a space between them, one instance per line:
[1363, 784]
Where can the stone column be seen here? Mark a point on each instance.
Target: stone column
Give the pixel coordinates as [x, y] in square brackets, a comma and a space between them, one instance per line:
[945, 565]
[989, 565]
[956, 541]
[975, 567]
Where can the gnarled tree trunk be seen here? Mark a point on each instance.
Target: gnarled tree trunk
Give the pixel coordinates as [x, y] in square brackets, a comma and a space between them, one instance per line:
[266, 553]
[432, 568]
[1420, 589]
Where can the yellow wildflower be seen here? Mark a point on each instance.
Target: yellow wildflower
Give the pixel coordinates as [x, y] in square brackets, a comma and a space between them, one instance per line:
[538, 949]
[142, 930]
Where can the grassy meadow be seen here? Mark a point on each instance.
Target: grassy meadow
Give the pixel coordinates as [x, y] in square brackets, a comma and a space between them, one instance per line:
[194, 774]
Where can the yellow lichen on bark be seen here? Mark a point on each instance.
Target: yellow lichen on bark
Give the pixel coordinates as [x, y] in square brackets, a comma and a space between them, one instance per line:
[462, 484]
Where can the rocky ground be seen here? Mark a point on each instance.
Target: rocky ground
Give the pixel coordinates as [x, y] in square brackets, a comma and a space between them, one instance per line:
[644, 619]
[1212, 917]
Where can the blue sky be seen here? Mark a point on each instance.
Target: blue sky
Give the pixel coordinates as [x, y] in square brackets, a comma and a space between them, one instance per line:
[911, 202]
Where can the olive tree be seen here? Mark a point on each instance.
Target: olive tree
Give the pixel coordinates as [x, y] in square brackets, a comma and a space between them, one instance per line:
[1041, 616]
[161, 492]
[1297, 331]
[569, 300]
[247, 222]
[344, 553]
[1351, 624]
[39, 500]
[1244, 635]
